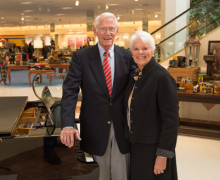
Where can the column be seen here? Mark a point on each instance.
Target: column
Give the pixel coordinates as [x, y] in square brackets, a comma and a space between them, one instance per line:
[169, 10]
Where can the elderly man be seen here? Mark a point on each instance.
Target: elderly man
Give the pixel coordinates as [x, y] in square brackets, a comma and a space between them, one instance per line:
[102, 72]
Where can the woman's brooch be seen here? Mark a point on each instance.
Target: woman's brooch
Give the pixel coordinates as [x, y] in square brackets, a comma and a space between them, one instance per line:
[139, 74]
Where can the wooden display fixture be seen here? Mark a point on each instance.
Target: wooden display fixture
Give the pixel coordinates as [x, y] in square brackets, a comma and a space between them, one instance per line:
[192, 73]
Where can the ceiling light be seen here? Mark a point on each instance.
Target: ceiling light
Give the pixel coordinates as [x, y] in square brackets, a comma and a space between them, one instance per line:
[138, 9]
[106, 7]
[27, 2]
[132, 11]
[65, 8]
[148, 15]
[118, 18]
[48, 10]
[135, 0]
[77, 3]
[113, 4]
[50, 0]
[22, 18]
[156, 16]
[3, 17]
[28, 11]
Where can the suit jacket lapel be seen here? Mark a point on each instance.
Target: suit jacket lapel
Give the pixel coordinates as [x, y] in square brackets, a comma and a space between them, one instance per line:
[119, 69]
[96, 65]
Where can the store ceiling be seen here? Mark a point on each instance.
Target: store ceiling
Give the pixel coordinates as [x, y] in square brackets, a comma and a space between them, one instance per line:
[44, 12]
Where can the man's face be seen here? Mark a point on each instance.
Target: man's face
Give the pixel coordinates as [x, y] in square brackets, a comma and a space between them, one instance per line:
[106, 32]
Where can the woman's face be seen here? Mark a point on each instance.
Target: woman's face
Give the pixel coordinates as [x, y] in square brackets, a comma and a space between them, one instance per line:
[141, 53]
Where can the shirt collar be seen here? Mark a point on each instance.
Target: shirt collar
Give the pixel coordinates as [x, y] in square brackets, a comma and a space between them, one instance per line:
[102, 50]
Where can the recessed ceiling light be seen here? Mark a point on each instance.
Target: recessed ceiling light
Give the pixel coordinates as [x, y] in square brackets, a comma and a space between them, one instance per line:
[60, 14]
[118, 18]
[113, 4]
[27, 2]
[77, 3]
[156, 16]
[65, 8]
[135, 0]
[132, 11]
[28, 11]
[138, 9]
[106, 7]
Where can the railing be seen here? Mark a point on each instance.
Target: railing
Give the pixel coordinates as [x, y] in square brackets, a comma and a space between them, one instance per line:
[176, 32]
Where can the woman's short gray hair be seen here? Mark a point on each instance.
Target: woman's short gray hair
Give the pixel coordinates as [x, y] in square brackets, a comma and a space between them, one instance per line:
[145, 37]
[105, 14]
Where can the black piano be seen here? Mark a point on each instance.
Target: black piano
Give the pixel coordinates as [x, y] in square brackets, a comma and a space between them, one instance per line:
[23, 126]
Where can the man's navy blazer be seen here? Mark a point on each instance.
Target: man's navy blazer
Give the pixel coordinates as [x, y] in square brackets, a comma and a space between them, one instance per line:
[97, 107]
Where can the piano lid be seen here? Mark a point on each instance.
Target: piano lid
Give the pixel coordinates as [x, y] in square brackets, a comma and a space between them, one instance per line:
[10, 110]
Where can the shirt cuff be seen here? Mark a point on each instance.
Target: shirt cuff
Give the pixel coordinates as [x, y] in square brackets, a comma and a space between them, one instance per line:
[68, 127]
[165, 153]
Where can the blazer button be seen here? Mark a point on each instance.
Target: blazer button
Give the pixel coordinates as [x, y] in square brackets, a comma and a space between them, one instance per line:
[109, 122]
[131, 121]
[135, 87]
[131, 132]
[110, 104]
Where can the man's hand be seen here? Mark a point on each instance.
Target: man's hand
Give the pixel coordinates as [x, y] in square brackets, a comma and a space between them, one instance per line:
[67, 136]
[160, 165]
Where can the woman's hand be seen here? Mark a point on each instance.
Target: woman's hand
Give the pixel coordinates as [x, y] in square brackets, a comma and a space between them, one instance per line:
[160, 165]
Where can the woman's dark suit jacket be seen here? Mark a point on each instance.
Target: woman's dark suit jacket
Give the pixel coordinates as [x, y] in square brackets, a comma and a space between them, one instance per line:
[154, 109]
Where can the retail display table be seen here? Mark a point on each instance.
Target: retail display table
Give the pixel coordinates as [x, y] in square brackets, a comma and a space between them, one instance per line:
[11, 66]
[30, 72]
[199, 97]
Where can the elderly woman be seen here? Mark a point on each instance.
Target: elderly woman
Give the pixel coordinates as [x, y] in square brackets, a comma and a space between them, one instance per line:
[152, 114]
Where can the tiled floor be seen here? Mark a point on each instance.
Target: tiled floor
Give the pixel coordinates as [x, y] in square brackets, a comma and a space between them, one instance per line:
[197, 158]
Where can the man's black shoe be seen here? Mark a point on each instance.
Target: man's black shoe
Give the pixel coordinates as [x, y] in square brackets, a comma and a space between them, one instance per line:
[52, 158]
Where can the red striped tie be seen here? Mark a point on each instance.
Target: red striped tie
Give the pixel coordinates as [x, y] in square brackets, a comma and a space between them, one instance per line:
[107, 72]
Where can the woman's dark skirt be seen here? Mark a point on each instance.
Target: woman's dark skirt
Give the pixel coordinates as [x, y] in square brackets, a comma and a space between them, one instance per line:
[143, 158]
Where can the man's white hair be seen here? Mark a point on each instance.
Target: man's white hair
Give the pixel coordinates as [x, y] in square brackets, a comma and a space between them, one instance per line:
[145, 37]
[105, 14]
